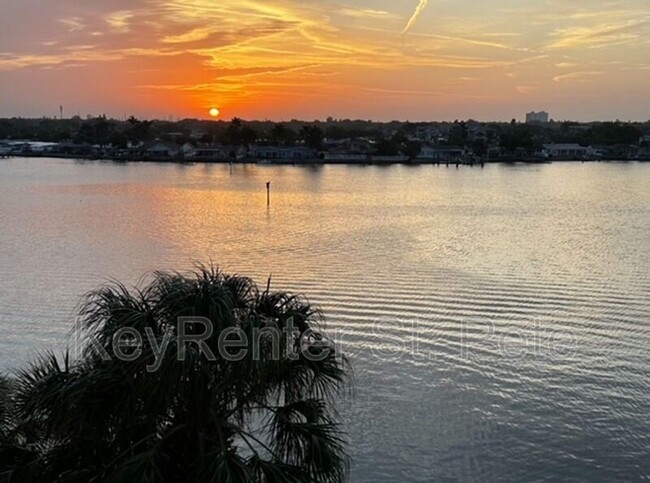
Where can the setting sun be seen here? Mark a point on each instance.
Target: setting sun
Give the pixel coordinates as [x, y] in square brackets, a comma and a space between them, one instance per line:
[214, 112]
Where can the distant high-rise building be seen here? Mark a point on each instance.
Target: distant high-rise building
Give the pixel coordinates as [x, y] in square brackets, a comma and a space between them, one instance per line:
[541, 116]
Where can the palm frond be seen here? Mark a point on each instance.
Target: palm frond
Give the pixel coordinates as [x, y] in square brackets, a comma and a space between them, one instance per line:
[158, 416]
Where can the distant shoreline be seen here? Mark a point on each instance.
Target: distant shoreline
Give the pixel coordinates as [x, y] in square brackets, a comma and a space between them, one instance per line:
[318, 161]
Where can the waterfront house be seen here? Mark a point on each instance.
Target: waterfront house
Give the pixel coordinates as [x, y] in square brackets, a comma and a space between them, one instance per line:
[622, 151]
[283, 153]
[477, 131]
[389, 159]
[597, 152]
[211, 152]
[349, 146]
[337, 157]
[359, 145]
[441, 153]
[188, 151]
[565, 151]
[643, 151]
[162, 149]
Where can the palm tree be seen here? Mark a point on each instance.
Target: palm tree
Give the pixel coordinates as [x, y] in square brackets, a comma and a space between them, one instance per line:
[156, 397]
[17, 452]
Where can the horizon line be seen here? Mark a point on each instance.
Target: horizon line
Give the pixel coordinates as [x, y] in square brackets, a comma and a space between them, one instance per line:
[175, 119]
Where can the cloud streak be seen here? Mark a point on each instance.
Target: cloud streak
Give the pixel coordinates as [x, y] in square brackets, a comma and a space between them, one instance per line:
[582, 76]
[414, 18]
[601, 35]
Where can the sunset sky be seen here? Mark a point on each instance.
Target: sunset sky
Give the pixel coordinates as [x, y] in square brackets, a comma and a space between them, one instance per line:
[283, 59]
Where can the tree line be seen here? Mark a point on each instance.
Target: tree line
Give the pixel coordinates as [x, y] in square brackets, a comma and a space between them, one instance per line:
[388, 137]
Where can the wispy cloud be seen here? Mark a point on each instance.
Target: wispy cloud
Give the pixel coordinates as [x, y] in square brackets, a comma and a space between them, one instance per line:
[191, 36]
[119, 21]
[14, 61]
[580, 76]
[414, 18]
[364, 13]
[74, 24]
[526, 89]
[262, 71]
[477, 42]
[600, 35]
[75, 56]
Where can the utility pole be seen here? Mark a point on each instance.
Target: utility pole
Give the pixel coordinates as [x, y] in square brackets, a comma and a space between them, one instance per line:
[268, 193]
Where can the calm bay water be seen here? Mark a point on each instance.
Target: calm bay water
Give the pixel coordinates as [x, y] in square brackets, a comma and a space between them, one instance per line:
[497, 319]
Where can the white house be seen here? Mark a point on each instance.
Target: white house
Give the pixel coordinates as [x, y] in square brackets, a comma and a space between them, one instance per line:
[568, 150]
[188, 151]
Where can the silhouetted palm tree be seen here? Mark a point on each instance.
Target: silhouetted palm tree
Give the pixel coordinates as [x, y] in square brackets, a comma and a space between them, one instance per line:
[260, 410]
